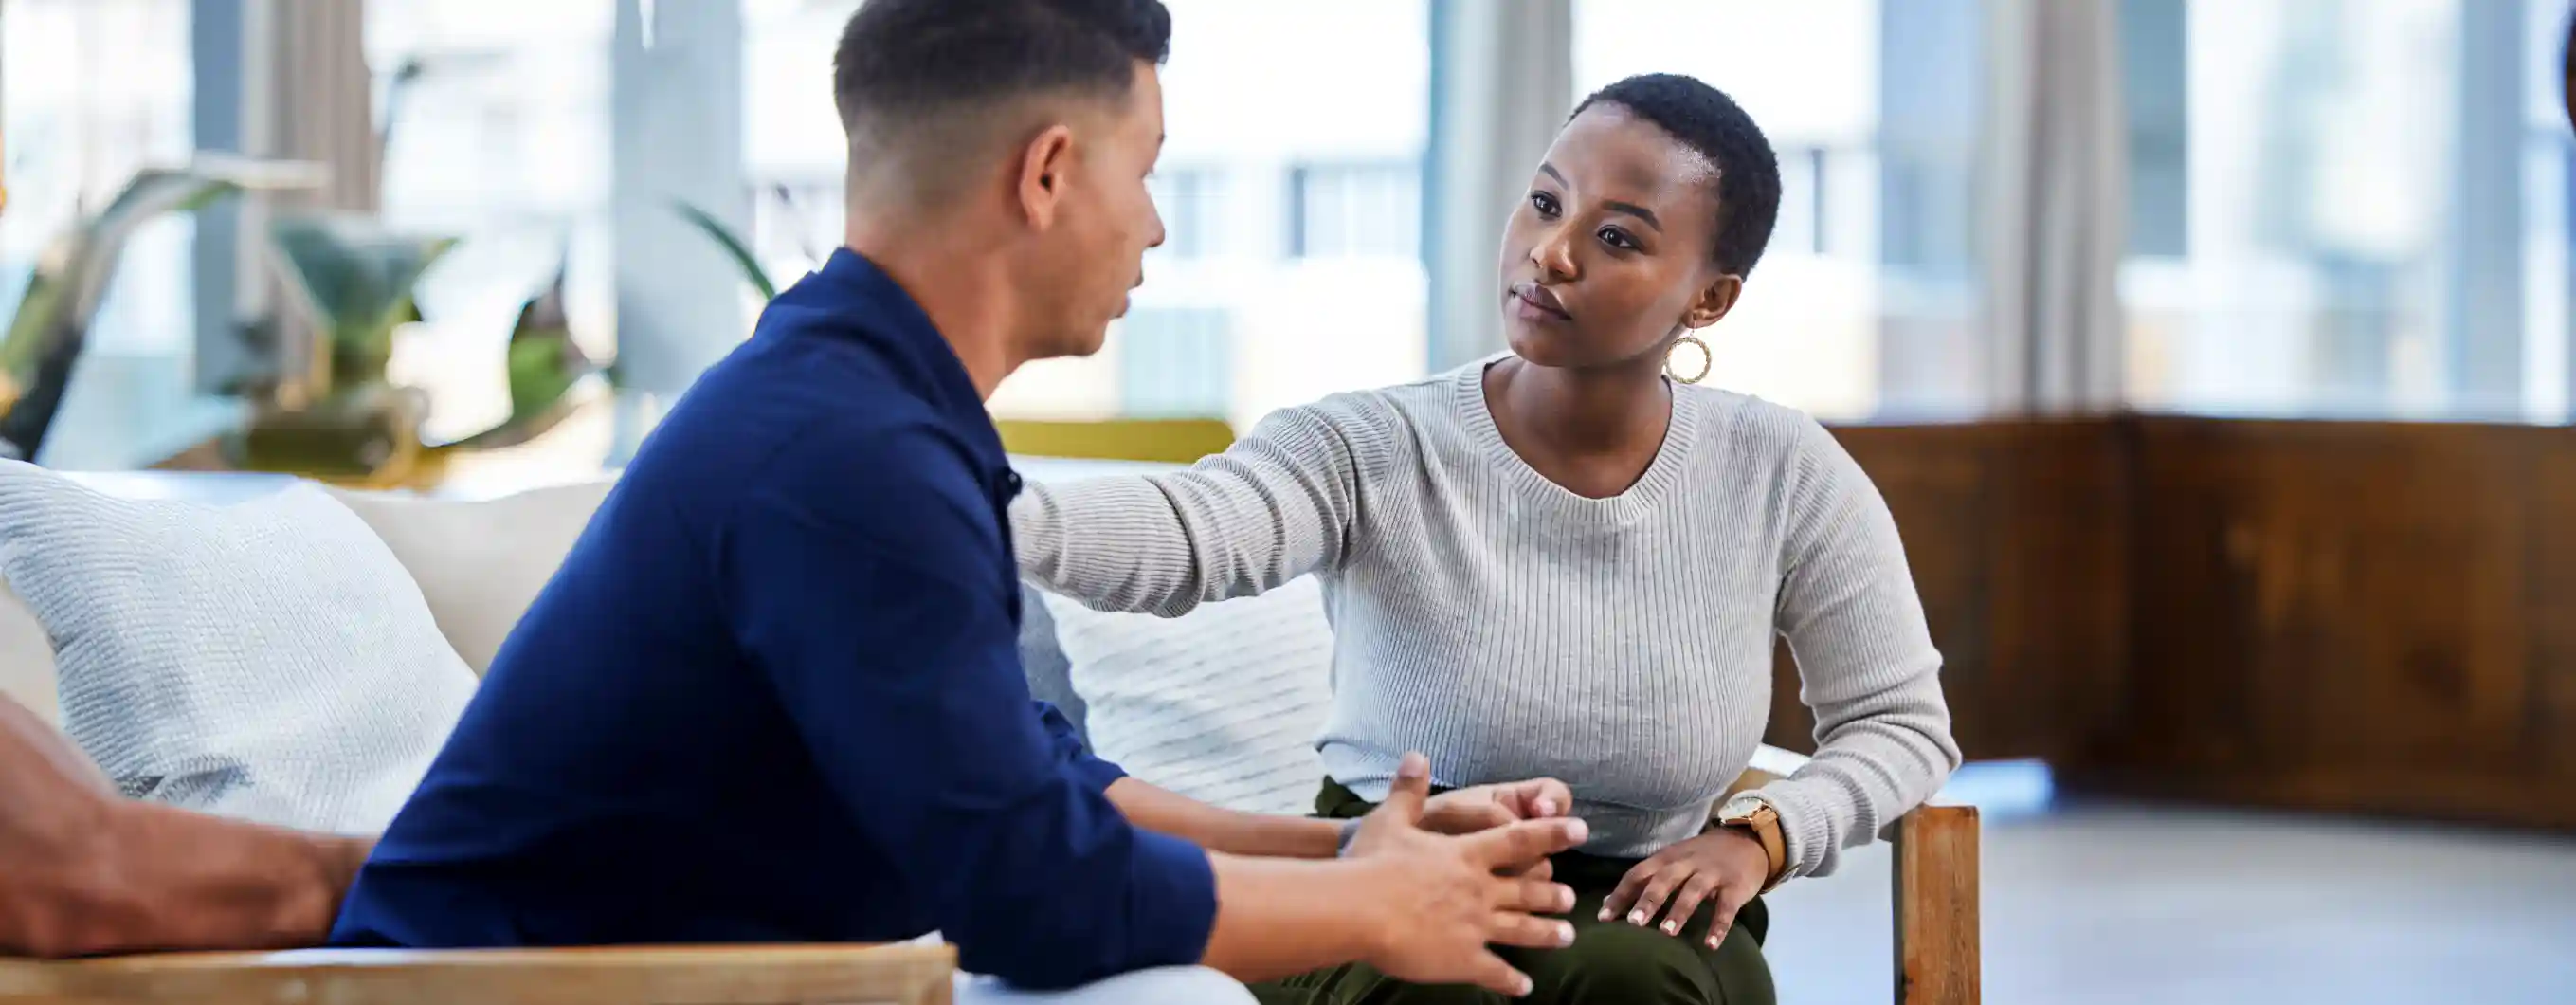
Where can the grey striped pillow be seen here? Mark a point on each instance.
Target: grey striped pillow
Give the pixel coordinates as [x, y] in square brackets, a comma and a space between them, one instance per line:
[268, 660]
[1222, 704]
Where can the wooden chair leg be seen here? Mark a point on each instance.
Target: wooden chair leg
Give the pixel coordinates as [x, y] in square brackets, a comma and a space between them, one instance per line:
[1936, 907]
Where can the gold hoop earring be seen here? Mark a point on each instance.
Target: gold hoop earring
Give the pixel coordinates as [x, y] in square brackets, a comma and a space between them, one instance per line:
[1707, 359]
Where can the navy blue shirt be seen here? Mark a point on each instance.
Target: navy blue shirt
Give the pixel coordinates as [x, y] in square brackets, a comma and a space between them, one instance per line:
[774, 694]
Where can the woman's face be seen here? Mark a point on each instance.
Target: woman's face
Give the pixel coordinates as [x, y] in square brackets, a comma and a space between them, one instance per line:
[1607, 258]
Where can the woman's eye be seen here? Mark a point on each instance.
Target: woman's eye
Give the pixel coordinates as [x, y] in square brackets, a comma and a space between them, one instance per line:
[1618, 238]
[1544, 203]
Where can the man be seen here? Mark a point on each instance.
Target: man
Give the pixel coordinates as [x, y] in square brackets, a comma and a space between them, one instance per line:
[773, 694]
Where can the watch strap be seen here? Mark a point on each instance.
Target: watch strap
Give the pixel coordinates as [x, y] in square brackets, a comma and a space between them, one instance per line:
[1761, 821]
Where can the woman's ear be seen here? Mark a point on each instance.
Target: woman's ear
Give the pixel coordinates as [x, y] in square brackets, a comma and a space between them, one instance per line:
[1713, 301]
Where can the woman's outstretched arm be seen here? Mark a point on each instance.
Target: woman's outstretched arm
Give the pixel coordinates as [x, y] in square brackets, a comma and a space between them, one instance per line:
[1278, 504]
[1866, 662]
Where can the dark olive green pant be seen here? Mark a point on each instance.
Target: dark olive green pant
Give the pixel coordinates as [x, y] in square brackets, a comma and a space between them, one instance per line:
[1610, 963]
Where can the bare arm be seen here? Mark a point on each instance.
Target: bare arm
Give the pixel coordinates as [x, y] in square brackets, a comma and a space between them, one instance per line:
[1279, 504]
[1222, 830]
[84, 872]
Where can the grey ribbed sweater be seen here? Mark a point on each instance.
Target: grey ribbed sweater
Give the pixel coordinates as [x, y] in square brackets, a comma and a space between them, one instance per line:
[1509, 628]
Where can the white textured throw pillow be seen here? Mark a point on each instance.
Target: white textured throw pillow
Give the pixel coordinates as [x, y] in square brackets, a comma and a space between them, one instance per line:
[267, 660]
[1222, 704]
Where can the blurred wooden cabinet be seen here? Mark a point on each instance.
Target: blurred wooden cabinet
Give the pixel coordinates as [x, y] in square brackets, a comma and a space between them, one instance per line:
[2371, 617]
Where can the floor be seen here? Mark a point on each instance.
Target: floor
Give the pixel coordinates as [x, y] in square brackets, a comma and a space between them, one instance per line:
[2102, 904]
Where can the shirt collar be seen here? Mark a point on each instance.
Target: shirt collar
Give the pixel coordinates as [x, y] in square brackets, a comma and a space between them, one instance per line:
[924, 355]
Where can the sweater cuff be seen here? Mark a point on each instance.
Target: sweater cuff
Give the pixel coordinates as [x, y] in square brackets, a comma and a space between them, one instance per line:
[1172, 904]
[1804, 827]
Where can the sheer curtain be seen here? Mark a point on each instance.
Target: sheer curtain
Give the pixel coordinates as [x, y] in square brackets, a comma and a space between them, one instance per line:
[2056, 191]
[1502, 79]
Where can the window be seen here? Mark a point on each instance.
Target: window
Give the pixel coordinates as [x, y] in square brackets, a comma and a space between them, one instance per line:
[793, 148]
[496, 127]
[1187, 197]
[97, 90]
[1864, 302]
[2154, 89]
[2362, 209]
[1355, 210]
[1176, 363]
[2548, 154]
[1289, 268]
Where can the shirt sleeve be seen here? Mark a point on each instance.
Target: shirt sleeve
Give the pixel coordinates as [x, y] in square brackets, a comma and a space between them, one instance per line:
[866, 577]
[1073, 753]
[1866, 666]
[1278, 504]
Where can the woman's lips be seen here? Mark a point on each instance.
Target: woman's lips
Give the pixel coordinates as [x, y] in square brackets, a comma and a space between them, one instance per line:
[1535, 302]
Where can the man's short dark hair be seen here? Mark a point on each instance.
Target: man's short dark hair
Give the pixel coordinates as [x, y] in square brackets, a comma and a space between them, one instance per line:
[1706, 120]
[900, 60]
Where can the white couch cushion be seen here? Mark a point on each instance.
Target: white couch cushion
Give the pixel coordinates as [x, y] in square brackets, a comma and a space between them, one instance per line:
[26, 659]
[269, 660]
[481, 563]
[1222, 704]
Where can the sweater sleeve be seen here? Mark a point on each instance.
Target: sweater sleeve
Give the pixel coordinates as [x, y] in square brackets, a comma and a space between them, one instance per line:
[1278, 504]
[865, 577]
[1866, 664]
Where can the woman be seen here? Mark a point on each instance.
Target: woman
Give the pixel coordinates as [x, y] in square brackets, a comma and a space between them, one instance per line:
[1564, 562]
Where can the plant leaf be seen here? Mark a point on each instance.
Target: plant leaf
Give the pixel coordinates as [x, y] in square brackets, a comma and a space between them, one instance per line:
[733, 246]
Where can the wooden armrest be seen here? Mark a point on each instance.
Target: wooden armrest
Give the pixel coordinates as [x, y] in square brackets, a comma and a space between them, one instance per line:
[694, 975]
[1936, 906]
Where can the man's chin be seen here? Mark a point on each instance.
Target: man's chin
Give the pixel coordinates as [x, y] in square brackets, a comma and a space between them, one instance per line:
[1079, 344]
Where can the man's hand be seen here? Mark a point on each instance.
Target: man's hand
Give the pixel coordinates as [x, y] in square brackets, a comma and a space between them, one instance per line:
[1484, 807]
[1447, 899]
[1725, 863]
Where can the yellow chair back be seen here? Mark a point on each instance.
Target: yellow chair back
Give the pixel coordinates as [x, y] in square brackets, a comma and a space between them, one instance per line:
[1173, 441]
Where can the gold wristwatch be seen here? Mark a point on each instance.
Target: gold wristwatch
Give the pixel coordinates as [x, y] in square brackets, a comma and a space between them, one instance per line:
[1755, 816]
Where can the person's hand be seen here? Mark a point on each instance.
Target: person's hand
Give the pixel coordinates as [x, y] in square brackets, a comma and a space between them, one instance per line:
[1726, 864]
[1448, 898]
[1483, 807]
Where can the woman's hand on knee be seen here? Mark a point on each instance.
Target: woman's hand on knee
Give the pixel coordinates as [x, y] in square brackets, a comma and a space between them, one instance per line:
[1725, 868]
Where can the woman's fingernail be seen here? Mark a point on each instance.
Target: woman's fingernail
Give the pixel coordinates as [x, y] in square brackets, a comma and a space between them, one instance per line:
[1672, 927]
[1547, 807]
[1564, 934]
[1637, 918]
[1605, 914]
[1712, 942]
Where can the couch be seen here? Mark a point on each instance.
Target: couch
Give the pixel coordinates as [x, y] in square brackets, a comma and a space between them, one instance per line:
[478, 563]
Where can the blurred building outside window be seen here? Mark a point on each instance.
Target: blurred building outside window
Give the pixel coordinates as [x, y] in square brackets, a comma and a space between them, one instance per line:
[1288, 190]
[2299, 171]
[1809, 330]
[2298, 197]
[2549, 220]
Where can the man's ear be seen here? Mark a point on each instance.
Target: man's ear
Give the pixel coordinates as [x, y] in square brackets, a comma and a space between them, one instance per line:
[1714, 300]
[1042, 165]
